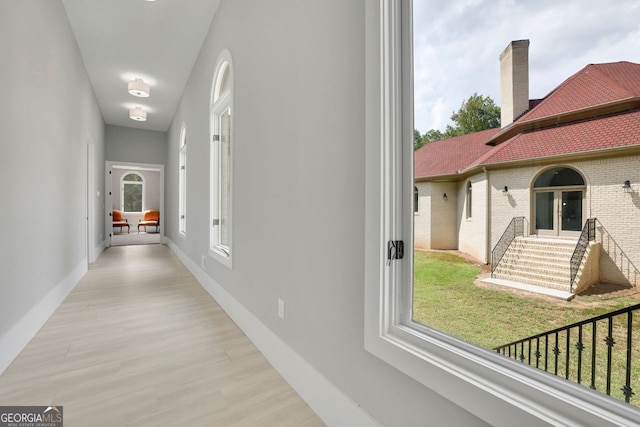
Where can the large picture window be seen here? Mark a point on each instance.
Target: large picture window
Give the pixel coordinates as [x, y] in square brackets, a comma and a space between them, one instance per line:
[132, 193]
[492, 387]
[222, 160]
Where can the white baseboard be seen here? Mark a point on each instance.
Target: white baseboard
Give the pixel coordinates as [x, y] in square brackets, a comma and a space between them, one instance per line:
[18, 336]
[328, 401]
[97, 251]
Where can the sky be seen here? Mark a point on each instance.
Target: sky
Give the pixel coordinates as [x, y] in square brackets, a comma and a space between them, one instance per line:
[457, 44]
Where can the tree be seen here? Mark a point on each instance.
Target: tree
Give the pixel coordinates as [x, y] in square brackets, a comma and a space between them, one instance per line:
[417, 139]
[477, 113]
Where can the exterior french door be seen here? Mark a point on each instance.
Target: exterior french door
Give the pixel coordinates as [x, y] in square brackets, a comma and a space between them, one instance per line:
[559, 212]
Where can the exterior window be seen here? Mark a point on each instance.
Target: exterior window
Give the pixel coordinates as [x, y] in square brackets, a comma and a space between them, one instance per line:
[132, 193]
[493, 385]
[222, 160]
[415, 200]
[182, 178]
[469, 201]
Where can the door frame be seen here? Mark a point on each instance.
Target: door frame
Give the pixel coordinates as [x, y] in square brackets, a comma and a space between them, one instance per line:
[557, 211]
[108, 203]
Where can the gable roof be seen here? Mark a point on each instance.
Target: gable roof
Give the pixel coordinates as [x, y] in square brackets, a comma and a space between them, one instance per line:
[597, 108]
[449, 156]
[595, 84]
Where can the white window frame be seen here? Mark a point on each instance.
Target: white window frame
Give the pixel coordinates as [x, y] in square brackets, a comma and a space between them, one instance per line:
[494, 388]
[123, 182]
[182, 182]
[221, 102]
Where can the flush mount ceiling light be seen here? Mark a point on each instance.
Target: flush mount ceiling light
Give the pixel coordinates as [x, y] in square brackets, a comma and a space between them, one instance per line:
[138, 114]
[139, 88]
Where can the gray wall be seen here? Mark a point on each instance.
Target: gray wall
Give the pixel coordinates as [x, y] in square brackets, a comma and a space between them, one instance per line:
[135, 145]
[151, 183]
[299, 185]
[48, 114]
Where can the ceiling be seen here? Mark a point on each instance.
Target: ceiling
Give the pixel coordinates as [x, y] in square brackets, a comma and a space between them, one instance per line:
[158, 41]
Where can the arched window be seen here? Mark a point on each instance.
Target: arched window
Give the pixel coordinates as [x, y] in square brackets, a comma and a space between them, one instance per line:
[469, 200]
[221, 159]
[182, 182]
[559, 177]
[132, 192]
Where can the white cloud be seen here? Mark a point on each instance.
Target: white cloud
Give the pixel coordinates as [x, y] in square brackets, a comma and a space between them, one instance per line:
[457, 44]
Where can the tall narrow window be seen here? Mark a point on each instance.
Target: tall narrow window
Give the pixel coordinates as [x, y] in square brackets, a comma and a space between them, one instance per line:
[132, 193]
[221, 160]
[469, 200]
[415, 199]
[182, 178]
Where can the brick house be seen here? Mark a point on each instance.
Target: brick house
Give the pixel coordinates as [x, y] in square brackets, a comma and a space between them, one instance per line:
[554, 163]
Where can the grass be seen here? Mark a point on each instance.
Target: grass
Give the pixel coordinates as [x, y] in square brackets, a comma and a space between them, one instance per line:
[446, 298]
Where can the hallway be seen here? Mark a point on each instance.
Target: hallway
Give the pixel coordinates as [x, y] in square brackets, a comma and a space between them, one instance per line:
[140, 342]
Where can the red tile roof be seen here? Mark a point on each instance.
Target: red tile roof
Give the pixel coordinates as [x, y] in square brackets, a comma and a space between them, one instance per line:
[449, 156]
[616, 130]
[595, 84]
[596, 87]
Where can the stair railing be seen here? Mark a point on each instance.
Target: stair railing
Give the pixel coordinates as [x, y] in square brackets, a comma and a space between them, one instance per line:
[591, 356]
[513, 230]
[588, 235]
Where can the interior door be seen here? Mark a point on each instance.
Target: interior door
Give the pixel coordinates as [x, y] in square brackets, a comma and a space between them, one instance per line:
[559, 212]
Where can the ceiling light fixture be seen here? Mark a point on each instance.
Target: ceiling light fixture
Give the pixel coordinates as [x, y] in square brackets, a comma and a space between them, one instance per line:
[139, 88]
[138, 114]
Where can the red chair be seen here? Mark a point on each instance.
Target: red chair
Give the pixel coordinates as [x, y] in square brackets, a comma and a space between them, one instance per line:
[151, 217]
[118, 221]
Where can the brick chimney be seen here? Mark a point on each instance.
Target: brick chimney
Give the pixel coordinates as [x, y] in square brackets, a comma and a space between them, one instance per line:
[514, 81]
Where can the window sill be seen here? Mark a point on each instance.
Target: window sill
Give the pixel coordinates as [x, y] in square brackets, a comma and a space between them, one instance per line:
[494, 388]
[222, 257]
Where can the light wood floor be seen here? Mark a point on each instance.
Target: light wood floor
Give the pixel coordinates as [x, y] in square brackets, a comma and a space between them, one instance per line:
[140, 343]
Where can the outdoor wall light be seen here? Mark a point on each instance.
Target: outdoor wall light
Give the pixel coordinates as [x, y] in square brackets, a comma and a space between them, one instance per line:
[444, 196]
[626, 187]
[505, 190]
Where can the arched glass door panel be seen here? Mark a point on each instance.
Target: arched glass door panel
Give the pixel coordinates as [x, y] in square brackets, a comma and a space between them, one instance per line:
[558, 195]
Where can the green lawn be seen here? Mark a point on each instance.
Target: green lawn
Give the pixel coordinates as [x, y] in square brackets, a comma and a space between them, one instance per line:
[446, 298]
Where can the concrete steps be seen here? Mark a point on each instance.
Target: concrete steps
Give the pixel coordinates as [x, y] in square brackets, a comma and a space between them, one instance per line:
[537, 261]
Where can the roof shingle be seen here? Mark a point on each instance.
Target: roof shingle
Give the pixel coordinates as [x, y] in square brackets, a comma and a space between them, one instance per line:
[593, 86]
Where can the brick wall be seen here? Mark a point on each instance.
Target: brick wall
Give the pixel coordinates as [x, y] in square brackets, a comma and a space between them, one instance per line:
[472, 231]
[422, 219]
[618, 213]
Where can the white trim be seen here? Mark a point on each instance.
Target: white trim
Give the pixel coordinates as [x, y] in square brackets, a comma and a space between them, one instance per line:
[328, 401]
[18, 336]
[109, 166]
[182, 182]
[221, 103]
[496, 389]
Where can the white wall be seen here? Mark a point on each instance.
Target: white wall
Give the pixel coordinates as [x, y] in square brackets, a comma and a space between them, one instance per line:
[298, 195]
[48, 115]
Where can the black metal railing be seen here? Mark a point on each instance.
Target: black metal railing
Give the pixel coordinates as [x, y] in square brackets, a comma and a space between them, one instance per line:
[597, 352]
[588, 235]
[513, 230]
